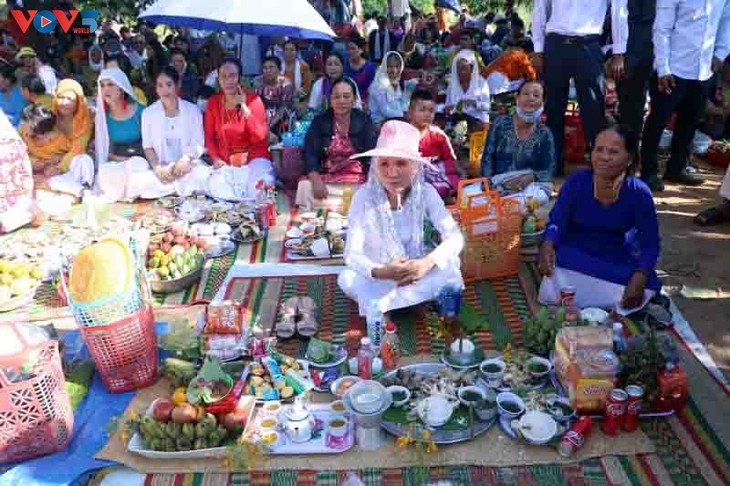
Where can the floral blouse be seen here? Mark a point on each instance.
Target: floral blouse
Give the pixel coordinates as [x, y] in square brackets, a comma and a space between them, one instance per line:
[505, 152]
[16, 175]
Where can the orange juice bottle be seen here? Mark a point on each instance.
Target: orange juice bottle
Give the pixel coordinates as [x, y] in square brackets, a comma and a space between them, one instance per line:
[346, 199]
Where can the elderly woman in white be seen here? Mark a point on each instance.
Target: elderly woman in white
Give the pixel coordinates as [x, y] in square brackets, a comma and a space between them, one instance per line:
[467, 97]
[387, 263]
[389, 93]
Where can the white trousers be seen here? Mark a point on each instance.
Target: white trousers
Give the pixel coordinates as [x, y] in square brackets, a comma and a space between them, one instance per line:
[391, 297]
[589, 291]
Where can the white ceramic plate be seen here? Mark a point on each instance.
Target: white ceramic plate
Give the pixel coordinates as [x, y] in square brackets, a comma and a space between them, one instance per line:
[292, 242]
[294, 233]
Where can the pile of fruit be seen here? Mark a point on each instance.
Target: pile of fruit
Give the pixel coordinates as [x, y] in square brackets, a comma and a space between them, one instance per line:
[174, 254]
[184, 427]
[17, 279]
[539, 331]
[532, 223]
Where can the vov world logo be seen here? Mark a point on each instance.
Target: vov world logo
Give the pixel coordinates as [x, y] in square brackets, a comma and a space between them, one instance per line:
[45, 21]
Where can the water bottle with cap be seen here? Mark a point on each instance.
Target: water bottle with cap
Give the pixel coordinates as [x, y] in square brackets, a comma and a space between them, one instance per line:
[375, 320]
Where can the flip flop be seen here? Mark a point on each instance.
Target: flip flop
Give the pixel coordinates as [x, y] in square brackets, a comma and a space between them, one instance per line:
[307, 326]
[307, 305]
[290, 308]
[286, 328]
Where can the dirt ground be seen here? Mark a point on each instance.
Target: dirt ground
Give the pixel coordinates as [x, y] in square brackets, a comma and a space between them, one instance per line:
[697, 257]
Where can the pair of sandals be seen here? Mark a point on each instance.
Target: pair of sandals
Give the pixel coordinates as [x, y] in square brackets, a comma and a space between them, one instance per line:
[298, 316]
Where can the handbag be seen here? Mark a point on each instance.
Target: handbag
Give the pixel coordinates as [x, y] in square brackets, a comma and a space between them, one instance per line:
[127, 149]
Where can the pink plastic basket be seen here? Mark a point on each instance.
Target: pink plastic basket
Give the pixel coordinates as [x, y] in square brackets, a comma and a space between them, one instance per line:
[125, 351]
[35, 414]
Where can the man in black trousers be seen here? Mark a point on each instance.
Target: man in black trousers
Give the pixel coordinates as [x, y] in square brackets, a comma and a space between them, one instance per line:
[690, 41]
[633, 88]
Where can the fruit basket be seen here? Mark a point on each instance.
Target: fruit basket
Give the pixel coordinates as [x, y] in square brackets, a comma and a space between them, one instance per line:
[176, 285]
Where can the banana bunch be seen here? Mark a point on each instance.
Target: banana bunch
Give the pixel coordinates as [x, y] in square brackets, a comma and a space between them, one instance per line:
[174, 437]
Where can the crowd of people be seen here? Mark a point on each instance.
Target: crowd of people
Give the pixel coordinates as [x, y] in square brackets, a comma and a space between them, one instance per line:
[131, 117]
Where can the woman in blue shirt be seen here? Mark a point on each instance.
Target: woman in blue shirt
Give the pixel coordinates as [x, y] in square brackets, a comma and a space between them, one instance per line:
[120, 166]
[12, 101]
[603, 235]
[520, 141]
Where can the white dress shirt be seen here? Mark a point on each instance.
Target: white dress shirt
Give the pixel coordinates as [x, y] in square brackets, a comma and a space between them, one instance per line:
[688, 34]
[580, 18]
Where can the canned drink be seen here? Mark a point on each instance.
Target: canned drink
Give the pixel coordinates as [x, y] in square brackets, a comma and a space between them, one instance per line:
[633, 408]
[615, 411]
[567, 295]
[575, 437]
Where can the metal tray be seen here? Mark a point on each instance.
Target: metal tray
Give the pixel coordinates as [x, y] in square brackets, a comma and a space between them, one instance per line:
[177, 285]
[438, 436]
[19, 301]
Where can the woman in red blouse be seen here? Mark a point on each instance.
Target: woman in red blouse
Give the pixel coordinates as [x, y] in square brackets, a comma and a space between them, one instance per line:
[236, 129]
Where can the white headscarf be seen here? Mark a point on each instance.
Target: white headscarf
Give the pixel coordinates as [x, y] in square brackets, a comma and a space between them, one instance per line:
[414, 210]
[381, 76]
[101, 137]
[475, 83]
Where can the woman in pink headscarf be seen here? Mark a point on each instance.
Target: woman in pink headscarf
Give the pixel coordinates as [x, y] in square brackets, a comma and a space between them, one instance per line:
[388, 265]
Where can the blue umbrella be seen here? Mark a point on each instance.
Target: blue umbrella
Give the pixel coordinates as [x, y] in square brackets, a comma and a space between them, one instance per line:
[270, 18]
[449, 4]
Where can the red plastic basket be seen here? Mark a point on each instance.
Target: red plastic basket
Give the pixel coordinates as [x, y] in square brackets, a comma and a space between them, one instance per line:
[125, 351]
[719, 159]
[35, 415]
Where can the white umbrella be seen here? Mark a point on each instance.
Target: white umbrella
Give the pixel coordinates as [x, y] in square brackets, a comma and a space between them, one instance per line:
[270, 18]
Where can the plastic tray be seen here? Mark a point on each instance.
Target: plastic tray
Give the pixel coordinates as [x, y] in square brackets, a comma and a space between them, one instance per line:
[317, 445]
[136, 444]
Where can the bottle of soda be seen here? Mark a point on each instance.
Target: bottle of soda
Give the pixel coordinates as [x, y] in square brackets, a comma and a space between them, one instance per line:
[346, 199]
[365, 359]
[390, 349]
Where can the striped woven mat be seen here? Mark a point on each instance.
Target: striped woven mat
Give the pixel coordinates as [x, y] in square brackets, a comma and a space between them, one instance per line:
[688, 451]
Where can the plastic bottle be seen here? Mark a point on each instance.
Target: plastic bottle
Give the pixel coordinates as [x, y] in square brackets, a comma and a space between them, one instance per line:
[390, 349]
[365, 359]
[619, 342]
[375, 325]
[346, 199]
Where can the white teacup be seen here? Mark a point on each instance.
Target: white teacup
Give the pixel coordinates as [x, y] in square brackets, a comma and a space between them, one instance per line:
[269, 424]
[337, 426]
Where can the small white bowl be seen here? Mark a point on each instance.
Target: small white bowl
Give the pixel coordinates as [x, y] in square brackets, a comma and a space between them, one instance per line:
[510, 397]
[395, 389]
[493, 376]
[435, 410]
[538, 360]
[473, 389]
[307, 228]
[538, 428]
[294, 233]
[594, 315]
[368, 396]
[336, 385]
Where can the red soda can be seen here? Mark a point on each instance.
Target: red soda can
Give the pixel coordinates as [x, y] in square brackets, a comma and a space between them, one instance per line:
[271, 213]
[615, 411]
[575, 437]
[633, 407]
[567, 295]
